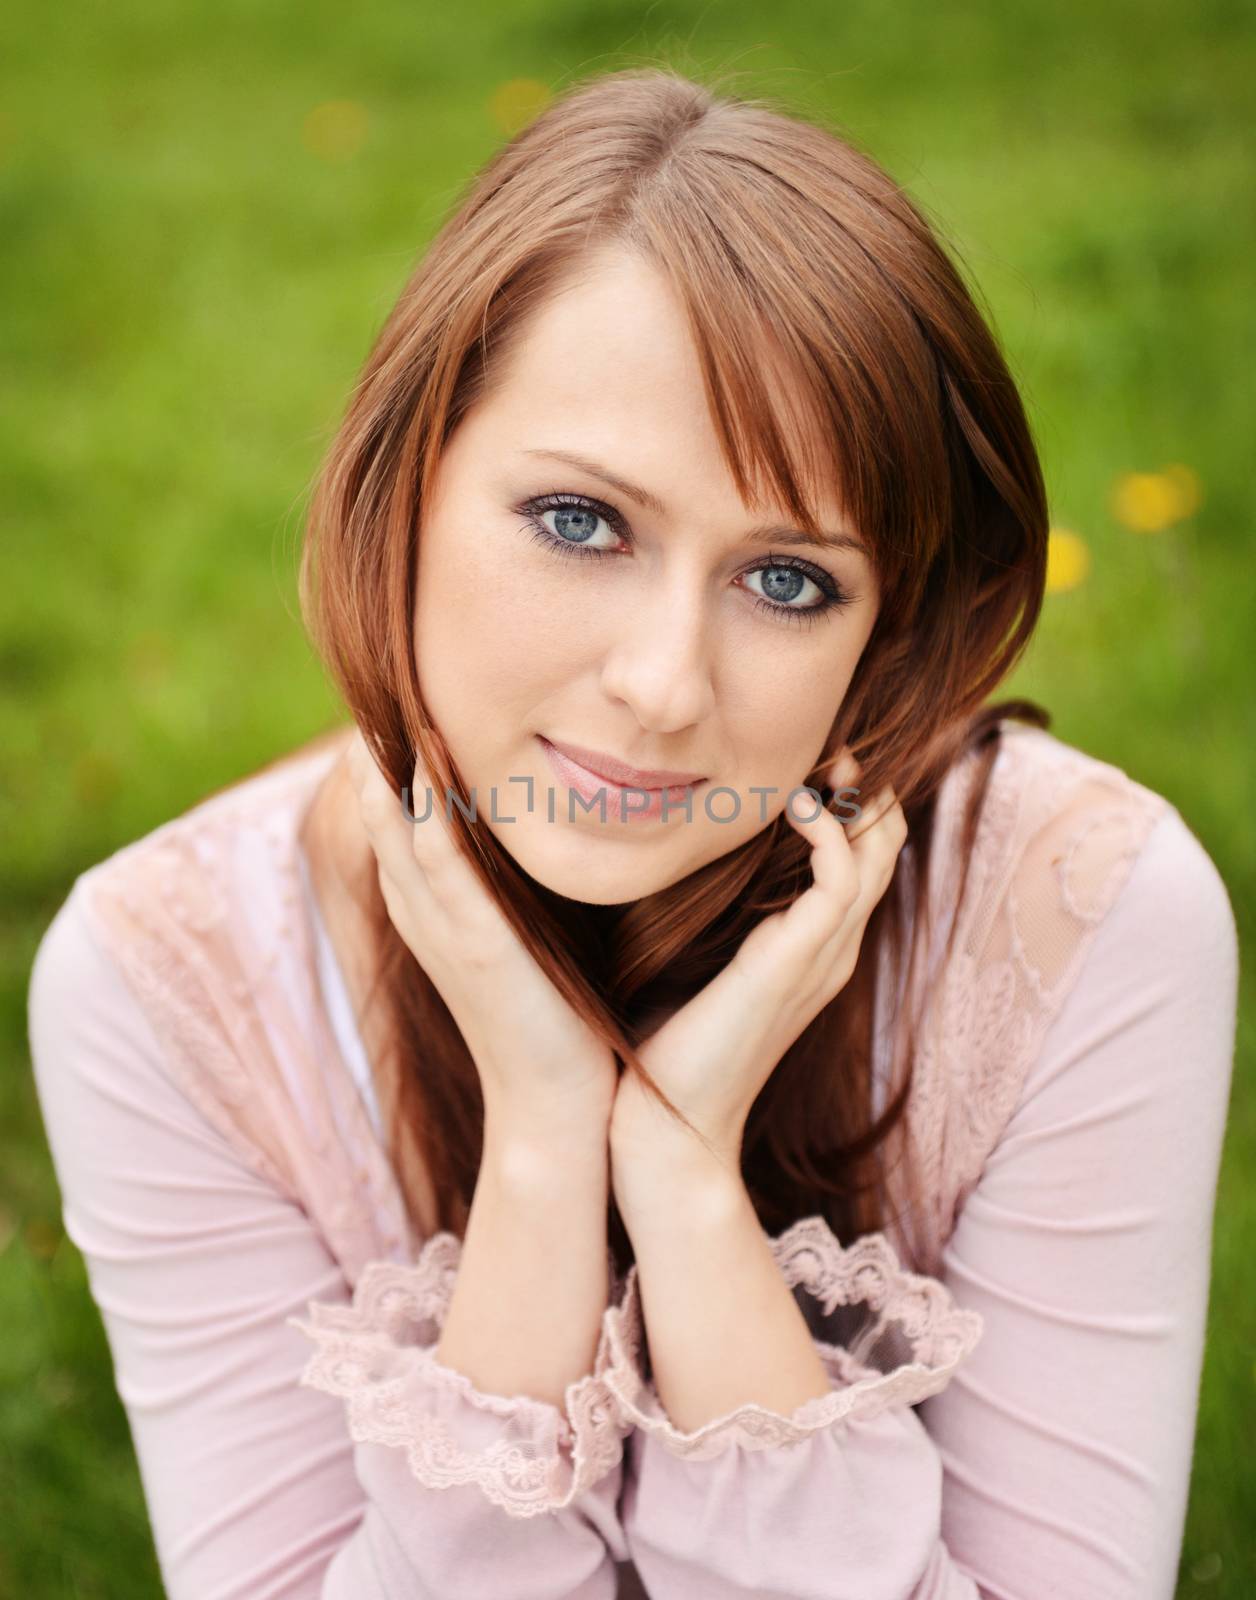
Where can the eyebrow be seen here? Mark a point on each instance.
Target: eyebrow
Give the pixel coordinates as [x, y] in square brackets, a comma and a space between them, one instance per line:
[774, 532]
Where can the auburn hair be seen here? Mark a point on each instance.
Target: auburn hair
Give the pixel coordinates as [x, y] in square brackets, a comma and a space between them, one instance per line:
[787, 245]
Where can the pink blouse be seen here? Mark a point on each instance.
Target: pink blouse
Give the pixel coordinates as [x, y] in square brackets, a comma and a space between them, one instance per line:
[1015, 1364]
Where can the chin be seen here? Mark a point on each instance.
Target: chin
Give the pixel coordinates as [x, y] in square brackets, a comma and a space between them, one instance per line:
[597, 871]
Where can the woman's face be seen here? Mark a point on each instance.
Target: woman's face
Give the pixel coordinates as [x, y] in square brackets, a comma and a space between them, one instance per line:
[589, 576]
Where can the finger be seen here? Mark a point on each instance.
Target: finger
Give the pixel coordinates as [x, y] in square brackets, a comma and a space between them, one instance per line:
[873, 859]
[872, 813]
[843, 772]
[449, 876]
[789, 941]
[853, 866]
[825, 907]
[433, 845]
[387, 827]
[877, 848]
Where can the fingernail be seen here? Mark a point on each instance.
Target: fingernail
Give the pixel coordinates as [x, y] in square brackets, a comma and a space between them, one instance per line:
[844, 770]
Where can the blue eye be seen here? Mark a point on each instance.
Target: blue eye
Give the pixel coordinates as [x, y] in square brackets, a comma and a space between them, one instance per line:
[783, 578]
[575, 524]
[782, 584]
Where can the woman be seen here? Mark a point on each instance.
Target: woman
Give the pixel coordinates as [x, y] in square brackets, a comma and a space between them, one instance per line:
[792, 1178]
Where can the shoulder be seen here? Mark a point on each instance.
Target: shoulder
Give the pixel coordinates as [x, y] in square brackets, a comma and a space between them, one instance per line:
[157, 951]
[256, 806]
[71, 976]
[1105, 910]
[1038, 777]
[156, 968]
[1136, 1066]
[1064, 835]
[1072, 839]
[98, 1058]
[1161, 974]
[1054, 836]
[1083, 836]
[1081, 885]
[223, 867]
[1177, 899]
[1058, 833]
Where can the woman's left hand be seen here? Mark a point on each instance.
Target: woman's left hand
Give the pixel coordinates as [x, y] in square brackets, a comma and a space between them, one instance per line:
[714, 1055]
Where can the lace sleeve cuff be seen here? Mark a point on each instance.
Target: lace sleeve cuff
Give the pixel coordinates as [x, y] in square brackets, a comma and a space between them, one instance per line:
[525, 1454]
[901, 1337]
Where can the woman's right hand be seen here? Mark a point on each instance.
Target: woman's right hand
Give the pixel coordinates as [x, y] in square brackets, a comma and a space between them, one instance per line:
[542, 1070]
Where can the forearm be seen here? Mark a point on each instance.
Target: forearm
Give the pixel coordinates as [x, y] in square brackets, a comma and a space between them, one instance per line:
[708, 1281]
[532, 1283]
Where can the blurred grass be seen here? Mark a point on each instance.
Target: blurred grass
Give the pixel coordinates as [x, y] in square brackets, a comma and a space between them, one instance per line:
[206, 214]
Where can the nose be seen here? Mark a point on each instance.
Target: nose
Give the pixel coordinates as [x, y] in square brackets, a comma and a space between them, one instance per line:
[659, 662]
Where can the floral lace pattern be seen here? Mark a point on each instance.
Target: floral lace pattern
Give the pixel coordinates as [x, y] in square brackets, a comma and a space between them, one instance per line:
[205, 919]
[531, 1458]
[897, 1308]
[1056, 839]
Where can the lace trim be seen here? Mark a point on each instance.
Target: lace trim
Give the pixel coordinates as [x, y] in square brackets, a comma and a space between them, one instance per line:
[398, 1394]
[205, 919]
[895, 1311]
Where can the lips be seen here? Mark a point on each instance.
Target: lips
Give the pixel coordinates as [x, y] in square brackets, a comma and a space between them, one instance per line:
[619, 772]
[600, 789]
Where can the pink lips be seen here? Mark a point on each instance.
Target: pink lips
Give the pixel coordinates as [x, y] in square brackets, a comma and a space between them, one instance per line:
[591, 773]
[604, 766]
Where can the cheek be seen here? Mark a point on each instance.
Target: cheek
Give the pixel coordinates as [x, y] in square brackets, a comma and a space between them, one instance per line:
[457, 609]
[781, 705]
[489, 633]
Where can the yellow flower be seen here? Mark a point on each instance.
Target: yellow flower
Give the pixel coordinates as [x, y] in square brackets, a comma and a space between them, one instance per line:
[1068, 560]
[1147, 502]
[334, 130]
[1189, 490]
[513, 104]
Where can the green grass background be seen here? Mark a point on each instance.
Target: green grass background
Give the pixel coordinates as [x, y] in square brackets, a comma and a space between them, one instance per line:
[191, 275]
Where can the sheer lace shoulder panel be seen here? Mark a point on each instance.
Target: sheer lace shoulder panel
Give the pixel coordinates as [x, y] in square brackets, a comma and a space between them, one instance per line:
[902, 1337]
[1057, 837]
[378, 1355]
[204, 919]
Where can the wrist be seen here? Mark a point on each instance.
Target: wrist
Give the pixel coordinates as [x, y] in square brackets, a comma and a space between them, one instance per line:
[651, 1147]
[676, 1177]
[528, 1156]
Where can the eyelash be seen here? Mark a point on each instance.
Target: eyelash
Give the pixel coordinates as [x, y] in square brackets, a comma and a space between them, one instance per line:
[835, 597]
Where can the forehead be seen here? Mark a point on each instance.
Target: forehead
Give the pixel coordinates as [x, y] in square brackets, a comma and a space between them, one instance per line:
[612, 345]
[607, 367]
